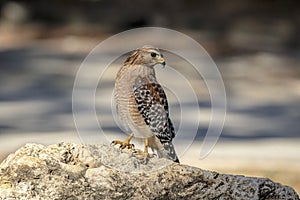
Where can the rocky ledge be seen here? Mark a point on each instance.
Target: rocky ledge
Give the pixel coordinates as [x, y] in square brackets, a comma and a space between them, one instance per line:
[75, 171]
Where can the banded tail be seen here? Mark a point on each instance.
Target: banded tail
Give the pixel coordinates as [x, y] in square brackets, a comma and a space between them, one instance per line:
[168, 152]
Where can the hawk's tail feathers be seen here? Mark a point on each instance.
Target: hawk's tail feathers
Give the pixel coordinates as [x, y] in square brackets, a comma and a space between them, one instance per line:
[168, 152]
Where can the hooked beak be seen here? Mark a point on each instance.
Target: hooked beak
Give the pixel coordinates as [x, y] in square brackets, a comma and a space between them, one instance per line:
[162, 61]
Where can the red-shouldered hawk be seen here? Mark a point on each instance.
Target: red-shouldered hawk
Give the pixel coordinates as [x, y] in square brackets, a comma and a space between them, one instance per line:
[142, 104]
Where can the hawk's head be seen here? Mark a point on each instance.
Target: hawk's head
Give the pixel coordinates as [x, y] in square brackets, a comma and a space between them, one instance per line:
[146, 55]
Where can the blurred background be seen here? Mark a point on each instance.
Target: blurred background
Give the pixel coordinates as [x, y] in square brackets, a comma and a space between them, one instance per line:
[255, 44]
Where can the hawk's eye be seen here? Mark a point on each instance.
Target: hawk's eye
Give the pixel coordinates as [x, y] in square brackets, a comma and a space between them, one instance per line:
[153, 54]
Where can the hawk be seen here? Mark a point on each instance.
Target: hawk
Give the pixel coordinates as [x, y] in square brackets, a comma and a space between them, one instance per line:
[142, 105]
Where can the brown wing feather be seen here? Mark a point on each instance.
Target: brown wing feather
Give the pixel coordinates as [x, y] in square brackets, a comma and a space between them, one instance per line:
[153, 105]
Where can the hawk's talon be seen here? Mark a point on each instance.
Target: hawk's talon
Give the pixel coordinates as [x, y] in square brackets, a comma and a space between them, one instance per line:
[140, 155]
[123, 145]
[143, 155]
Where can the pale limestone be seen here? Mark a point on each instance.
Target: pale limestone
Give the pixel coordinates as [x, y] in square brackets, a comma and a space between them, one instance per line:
[74, 171]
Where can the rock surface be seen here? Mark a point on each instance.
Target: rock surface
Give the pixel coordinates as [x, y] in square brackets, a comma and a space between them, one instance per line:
[74, 171]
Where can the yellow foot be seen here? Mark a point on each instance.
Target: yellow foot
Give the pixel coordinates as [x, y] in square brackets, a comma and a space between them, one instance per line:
[124, 144]
[142, 155]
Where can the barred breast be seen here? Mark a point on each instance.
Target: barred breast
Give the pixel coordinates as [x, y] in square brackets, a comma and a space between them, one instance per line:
[126, 106]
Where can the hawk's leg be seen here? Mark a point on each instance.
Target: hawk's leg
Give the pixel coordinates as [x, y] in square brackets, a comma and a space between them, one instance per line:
[146, 146]
[125, 144]
[143, 155]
